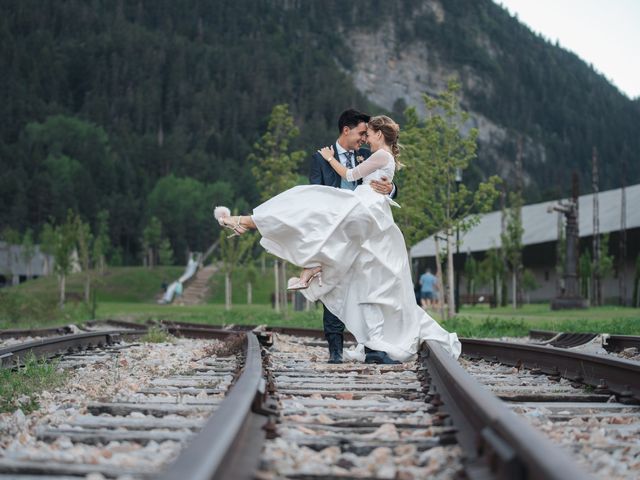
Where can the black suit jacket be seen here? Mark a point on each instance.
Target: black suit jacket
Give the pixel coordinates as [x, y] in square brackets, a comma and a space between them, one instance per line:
[321, 173]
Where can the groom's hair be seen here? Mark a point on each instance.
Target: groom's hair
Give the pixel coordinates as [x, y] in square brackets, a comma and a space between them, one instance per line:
[351, 118]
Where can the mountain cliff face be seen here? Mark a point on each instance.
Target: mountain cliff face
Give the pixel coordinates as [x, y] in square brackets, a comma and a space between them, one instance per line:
[516, 85]
[171, 91]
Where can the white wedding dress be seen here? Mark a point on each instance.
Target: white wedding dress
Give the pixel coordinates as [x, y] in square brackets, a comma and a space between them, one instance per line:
[366, 280]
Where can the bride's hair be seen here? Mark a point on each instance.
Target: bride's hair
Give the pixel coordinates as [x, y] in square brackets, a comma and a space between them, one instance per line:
[390, 131]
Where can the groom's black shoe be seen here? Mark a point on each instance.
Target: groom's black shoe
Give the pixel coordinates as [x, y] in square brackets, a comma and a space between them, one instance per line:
[376, 356]
[335, 347]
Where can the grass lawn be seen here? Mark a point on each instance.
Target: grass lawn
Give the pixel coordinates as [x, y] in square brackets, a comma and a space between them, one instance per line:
[505, 321]
[130, 293]
[214, 314]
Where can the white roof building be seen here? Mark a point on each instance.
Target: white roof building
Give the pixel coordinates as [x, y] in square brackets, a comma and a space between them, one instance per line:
[540, 226]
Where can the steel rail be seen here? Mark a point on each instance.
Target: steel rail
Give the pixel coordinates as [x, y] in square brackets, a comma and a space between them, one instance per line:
[116, 323]
[36, 332]
[50, 347]
[617, 343]
[229, 444]
[619, 376]
[497, 442]
[207, 325]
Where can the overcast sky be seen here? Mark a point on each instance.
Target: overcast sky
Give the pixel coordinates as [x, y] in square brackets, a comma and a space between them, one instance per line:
[604, 33]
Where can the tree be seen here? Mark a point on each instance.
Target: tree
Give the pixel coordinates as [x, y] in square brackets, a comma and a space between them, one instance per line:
[492, 271]
[64, 240]
[636, 284]
[232, 252]
[101, 242]
[28, 250]
[585, 273]
[512, 245]
[471, 273]
[151, 238]
[47, 244]
[275, 170]
[274, 167]
[11, 238]
[529, 282]
[436, 154]
[165, 253]
[183, 207]
[251, 277]
[604, 264]
[84, 240]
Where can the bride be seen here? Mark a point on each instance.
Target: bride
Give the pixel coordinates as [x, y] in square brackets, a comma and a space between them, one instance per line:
[353, 254]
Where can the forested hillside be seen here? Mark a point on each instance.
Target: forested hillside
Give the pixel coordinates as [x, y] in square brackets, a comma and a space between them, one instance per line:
[151, 108]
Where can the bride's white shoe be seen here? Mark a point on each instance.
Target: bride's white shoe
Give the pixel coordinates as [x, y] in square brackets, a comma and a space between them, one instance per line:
[296, 283]
[224, 218]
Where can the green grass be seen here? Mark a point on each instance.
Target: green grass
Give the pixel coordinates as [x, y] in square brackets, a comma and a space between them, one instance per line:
[505, 321]
[20, 387]
[35, 303]
[130, 293]
[212, 314]
[120, 284]
[157, 335]
[262, 287]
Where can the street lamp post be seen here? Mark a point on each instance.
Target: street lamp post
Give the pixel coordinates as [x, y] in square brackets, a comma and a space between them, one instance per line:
[457, 269]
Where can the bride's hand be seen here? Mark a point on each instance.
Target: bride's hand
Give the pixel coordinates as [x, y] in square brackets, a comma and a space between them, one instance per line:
[327, 153]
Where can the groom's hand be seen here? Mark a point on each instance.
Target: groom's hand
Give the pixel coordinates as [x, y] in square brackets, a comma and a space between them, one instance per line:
[383, 186]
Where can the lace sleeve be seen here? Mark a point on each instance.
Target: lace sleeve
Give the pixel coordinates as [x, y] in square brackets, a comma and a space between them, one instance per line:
[378, 160]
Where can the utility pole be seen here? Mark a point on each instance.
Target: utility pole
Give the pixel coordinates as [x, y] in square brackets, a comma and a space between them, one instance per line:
[503, 253]
[595, 276]
[457, 268]
[517, 274]
[569, 296]
[622, 249]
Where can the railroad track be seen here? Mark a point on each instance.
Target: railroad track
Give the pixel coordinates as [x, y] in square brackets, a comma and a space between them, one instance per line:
[430, 418]
[610, 343]
[152, 400]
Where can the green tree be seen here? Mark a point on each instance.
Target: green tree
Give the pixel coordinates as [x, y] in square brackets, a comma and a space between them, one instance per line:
[84, 240]
[251, 277]
[636, 284]
[28, 250]
[492, 271]
[471, 274]
[165, 253]
[275, 170]
[529, 282]
[11, 237]
[183, 207]
[604, 267]
[274, 166]
[76, 168]
[64, 239]
[437, 153]
[233, 250]
[151, 238]
[101, 242]
[512, 245]
[47, 243]
[584, 263]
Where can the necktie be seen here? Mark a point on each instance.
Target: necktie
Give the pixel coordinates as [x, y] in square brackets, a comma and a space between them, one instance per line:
[349, 157]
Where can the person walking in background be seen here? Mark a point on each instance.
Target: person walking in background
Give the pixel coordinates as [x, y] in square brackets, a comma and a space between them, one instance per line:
[428, 287]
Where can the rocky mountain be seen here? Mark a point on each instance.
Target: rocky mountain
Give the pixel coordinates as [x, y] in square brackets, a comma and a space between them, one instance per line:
[516, 85]
[126, 105]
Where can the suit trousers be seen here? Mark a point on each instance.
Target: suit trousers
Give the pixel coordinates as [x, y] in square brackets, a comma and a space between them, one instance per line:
[331, 323]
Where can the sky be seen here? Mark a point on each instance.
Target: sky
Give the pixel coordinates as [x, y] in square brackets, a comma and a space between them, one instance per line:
[604, 33]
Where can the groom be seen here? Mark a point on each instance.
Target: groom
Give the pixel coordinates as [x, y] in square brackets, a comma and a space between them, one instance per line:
[352, 126]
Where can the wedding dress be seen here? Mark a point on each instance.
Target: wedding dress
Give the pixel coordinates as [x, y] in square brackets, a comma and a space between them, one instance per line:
[366, 279]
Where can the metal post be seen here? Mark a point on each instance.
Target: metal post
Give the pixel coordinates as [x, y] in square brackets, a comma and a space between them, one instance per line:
[457, 270]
